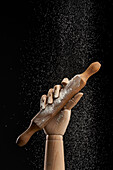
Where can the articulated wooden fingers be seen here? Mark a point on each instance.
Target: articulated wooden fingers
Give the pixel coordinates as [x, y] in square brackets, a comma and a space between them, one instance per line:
[52, 93]
[57, 91]
[50, 96]
[65, 81]
[43, 101]
[57, 88]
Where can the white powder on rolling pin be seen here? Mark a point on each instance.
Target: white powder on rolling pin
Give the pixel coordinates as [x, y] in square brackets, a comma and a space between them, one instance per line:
[74, 83]
[63, 93]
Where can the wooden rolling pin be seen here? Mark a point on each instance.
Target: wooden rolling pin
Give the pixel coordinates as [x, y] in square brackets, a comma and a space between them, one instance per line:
[45, 115]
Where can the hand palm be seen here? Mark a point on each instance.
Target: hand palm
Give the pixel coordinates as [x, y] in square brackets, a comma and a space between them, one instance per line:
[59, 123]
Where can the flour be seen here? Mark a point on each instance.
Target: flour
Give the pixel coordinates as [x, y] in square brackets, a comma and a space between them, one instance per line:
[49, 110]
[75, 81]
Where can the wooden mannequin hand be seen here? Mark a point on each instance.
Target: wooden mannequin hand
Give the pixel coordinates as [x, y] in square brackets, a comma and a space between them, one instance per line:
[59, 123]
[56, 127]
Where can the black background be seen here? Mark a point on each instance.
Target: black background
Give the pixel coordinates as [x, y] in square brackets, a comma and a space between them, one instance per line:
[39, 47]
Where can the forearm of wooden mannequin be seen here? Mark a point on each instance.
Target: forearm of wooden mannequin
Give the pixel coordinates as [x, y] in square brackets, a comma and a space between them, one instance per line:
[55, 129]
[54, 153]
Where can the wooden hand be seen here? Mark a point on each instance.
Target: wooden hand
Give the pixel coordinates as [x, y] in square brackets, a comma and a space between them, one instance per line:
[59, 123]
[55, 129]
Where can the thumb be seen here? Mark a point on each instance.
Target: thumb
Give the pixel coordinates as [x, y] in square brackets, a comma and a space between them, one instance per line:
[72, 102]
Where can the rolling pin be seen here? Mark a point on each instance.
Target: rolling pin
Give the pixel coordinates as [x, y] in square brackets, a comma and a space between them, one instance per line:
[42, 118]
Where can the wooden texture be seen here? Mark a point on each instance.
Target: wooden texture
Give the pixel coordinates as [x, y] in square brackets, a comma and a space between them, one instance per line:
[73, 87]
[55, 129]
[65, 81]
[59, 123]
[56, 90]
[43, 102]
[25, 136]
[50, 96]
[72, 102]
[54, 153]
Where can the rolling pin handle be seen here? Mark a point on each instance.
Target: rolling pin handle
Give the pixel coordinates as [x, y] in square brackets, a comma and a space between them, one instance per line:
[25, 136]
[92, 69]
